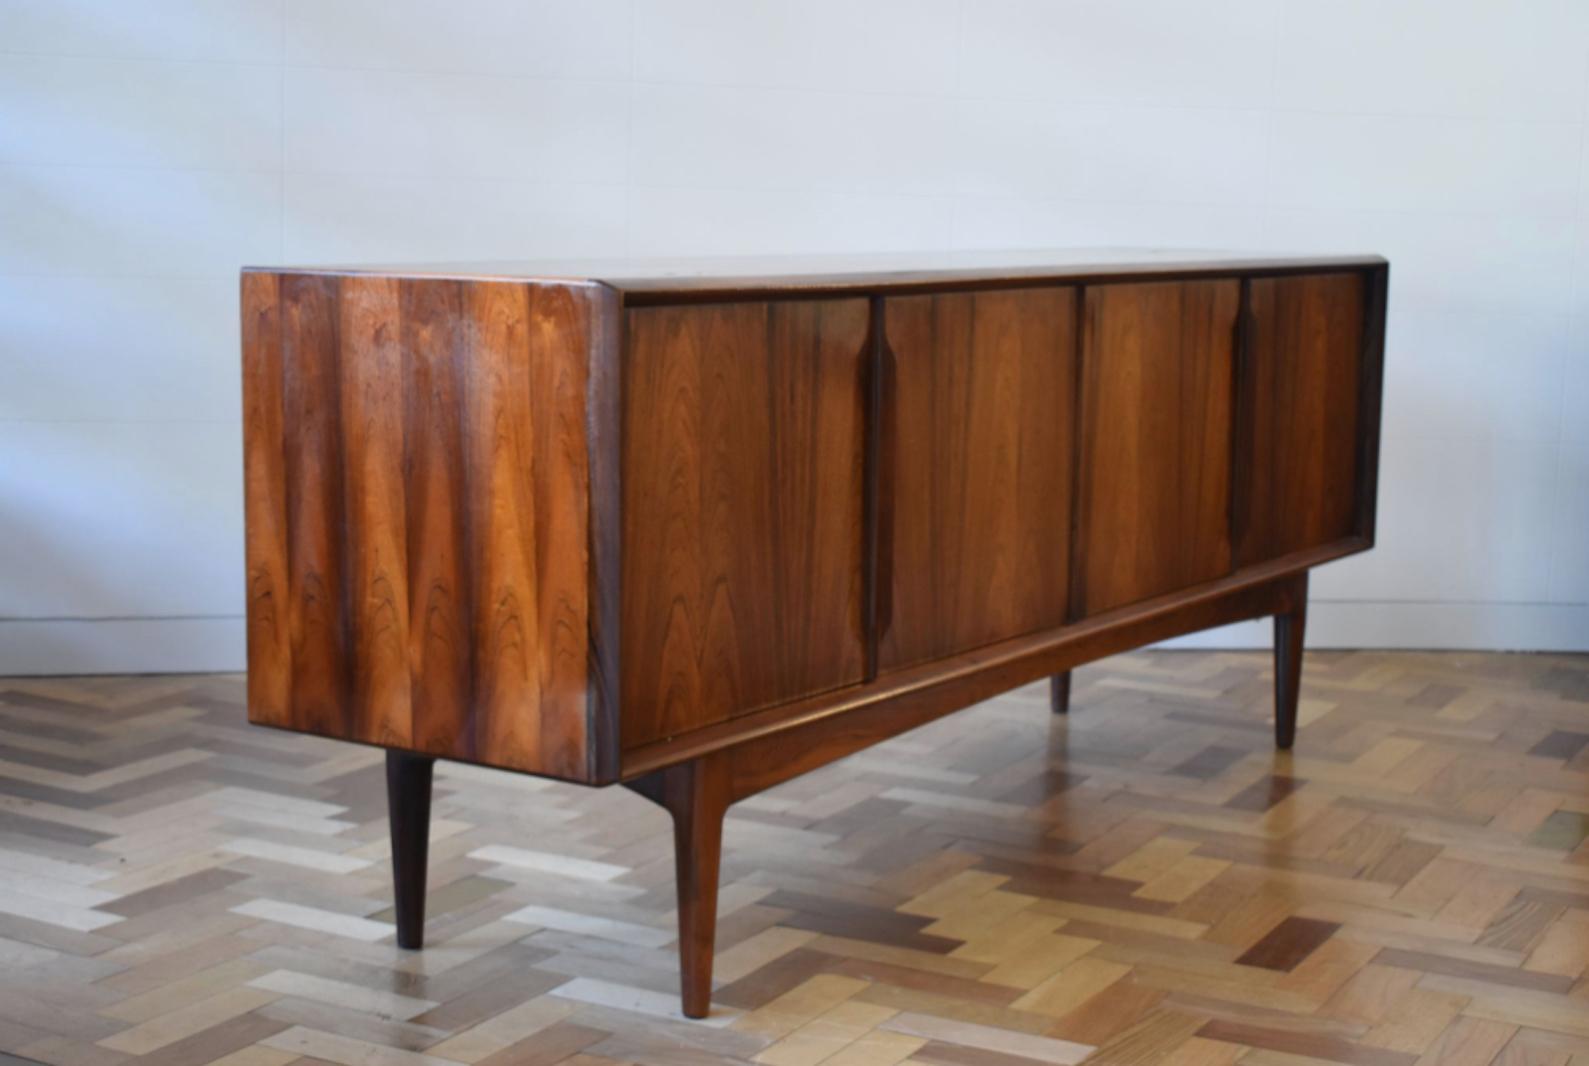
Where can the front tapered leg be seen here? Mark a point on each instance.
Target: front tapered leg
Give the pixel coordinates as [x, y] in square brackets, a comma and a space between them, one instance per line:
[408, 779]
[697, 795]
[1289, 628]
[1059, 693]
[697, 856]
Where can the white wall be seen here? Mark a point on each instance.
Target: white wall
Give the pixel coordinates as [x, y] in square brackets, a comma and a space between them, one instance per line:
[150, 147]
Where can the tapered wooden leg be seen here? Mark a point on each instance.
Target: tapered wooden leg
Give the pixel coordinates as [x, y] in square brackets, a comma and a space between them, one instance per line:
[697, 795]
[697, 856]
[408, 778]
[1059, 693]
[1288, 665]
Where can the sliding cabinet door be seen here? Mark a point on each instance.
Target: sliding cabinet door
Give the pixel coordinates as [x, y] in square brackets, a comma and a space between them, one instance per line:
[742, 509]
[1300, 414]
[978, 437]
[1156, 399]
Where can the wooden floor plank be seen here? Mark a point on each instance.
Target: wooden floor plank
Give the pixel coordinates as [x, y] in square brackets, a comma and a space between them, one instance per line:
[1142, 881]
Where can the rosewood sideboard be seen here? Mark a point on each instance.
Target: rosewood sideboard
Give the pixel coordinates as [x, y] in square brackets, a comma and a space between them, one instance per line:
[699, 527]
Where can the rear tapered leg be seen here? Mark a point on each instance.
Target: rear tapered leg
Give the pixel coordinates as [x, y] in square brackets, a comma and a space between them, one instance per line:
[408, 779]
[1059, 693]
[1289, 629]
[697, 795]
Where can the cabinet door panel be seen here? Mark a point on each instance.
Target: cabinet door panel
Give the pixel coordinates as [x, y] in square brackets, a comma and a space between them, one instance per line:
[742, 509]
[977, 469]
[1157, 364]
[1300, 413]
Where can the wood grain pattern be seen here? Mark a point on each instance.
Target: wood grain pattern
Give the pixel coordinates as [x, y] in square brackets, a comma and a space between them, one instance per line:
[1287, 944]
[1008, 883]
[267, 602]
[1300, 413]
[705, 546]
[1154, 493]
[440, 629]
[1005, 907]
[696, 794]
[434, 497]
[799, 736]
[978, 469]
[316, 545]
[742, 511]
[371, 390]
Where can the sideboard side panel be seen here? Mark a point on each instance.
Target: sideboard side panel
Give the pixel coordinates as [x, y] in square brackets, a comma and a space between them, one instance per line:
[1301, 422]
[742, 465]
[529, 504]
[979, 468]
[419, 513]
[1154, 492]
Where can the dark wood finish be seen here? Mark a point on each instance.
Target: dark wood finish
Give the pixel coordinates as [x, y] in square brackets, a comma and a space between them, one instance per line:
[711, 779]
[317, 622]
[713, 279]
[1299, 413]
[696, 794]
[1287, 944]
[976, 469]
[433, 329]
[374, 518]
[265, 504]
[877, 508]
[1059, 693]
[408, 781]
[742, 513]
[1154, 489]
[704, 533]
[1371, 382]
[1289, 628]
[603, 415]
[418, 480]
[809, 733]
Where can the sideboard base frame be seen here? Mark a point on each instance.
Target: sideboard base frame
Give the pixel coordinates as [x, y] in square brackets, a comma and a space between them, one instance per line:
[698, 789]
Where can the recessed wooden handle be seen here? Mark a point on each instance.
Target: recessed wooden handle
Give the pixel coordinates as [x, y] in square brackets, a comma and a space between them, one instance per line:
[882, 444]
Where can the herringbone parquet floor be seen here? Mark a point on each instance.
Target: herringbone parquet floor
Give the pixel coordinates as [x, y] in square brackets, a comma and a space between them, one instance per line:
[1146, 882]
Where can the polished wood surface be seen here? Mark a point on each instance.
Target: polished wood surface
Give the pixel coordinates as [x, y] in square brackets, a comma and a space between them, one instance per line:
[976, 470]
[773, 750]
[697, 795]
[1155, 457]
[418, 515]
[702, 534]
[1143, 881]
[1300, 411]
[1289, 628]
[645, 280]
[408, 790]
[742, 509]
[1059, 693]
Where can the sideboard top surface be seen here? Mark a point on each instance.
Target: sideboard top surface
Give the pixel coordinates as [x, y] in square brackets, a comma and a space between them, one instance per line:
[642, 279]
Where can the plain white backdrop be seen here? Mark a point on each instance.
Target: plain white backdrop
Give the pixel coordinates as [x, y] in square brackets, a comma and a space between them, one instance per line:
[148, 148]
